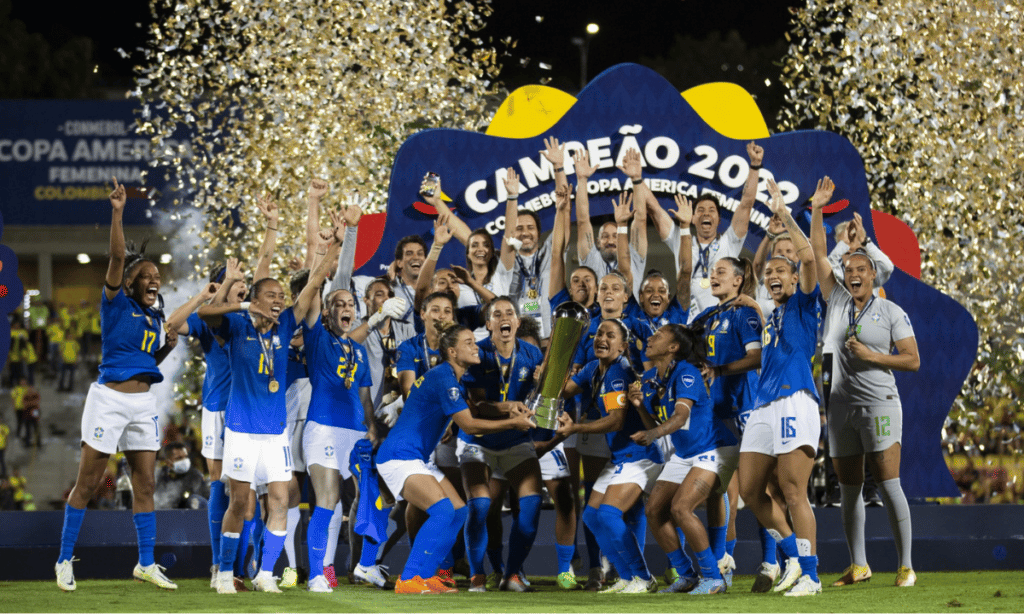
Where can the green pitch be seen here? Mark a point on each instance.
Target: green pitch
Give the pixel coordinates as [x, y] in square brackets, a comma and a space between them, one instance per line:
[971, 591]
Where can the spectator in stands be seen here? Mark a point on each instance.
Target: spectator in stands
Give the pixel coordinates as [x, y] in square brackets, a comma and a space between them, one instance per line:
[18, 390]
[4, 432]
[54, 337]
[179, 485]
[32, 403]
[70, 349]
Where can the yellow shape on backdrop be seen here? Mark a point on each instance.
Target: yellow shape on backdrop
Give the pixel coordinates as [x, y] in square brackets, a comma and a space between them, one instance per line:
[729, 109]
[529, 111]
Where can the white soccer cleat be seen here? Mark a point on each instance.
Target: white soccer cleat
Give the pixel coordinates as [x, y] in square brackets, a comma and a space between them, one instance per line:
[804, 587]
[65, 575]
[638, 586]
[765, 578]
[214, 574]
[793, 573]
[619, 586]
[153, 574]
[265, 583]
[319, 584]
[726, 566]
[371, 575]
[226, 583]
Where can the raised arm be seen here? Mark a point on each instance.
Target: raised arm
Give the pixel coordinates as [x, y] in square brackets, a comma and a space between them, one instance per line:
[507, 253]
[352, 213]
[883, 265]
[775, 228]
[555, 154]
[442, 234]
[115, 270]
[808, 271]
[307, 304]
[559, 238]
[458, 228]
[584, 227]
[317, 190]
[622, 217]
[741, 217]
[634, 170]
[177, 321]
[266, 253]
[822, 196]
[684, 215]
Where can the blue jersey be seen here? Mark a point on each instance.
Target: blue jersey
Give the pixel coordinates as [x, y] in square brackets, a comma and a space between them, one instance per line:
[789, 341]
[337, 370]
[563, 297]
[728, 334]
[433, 400]
[607, 394]
[297, 366]
[585, 350]
[131, 337]
[503, 380]
[647, 326]
[416, 356]
[217, 381]
[470, 316]
[252, 407]
[703, 431]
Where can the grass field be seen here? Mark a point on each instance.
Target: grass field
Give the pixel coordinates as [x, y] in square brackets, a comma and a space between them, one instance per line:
[971, 591]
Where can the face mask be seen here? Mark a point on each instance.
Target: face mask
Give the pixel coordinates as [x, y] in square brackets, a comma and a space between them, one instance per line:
[181, 466]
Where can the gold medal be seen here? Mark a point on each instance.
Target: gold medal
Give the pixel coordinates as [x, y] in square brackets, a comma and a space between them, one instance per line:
[531, 294]
[705, 283]
[434, 360]
[273, 386]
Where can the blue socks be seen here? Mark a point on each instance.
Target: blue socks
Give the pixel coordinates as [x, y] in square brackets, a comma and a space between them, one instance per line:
[768, 546]
[788, 546]
[215, 512]
[524, 531]
[273, 544]
[716, 536]
[431, 544]
[682, 564]
[243, 548]
[69, 535]
[229, 551]
[809, 565]
[368, 558]
[593, 548]
[316, 539]
[476, 533]
[636, 520]
[565, 554]
[730, 547]
[145, 527]
[709, 564]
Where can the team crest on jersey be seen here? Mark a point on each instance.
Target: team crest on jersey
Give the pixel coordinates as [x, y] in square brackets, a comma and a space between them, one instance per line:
[753, 322]
[329, 451]
[209, 440]
[276, 341]
[725, 325]
[618, 385]
[453, 394]
[97, 433]
[687, 380]
[238, 462]
[523, 372]
[875, 317]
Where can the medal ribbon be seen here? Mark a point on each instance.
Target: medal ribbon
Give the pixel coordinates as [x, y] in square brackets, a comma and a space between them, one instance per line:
[854, 327]
[268, 355]
[704, 257]
[504, 376]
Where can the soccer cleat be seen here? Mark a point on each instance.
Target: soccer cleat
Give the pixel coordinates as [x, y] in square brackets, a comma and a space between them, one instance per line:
[619, 586]
[478, 583]
[445, 576]
[515, 584]
[413, 586]
[289, 578]
[65, 575]
[214, 573]
[265, 583]
[332, 580]
[239, 584]
[437, 584]
[319, 585]
[595, 580]
[793, 573]
[638, 586]
[726, 565]
[804, 587]
[370, 575]
[610, 573]
[671, 575]
[682, 585]
[226, 583]
[854, 574]
[567, 581]
[765, 578]
[709, 586]
[494, 580]
[153, 574]
[904, 577]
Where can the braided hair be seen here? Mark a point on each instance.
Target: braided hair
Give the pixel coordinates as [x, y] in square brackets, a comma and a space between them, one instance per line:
[448, 336]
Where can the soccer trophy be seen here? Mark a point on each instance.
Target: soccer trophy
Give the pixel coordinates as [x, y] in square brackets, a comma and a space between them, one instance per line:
[571, 322]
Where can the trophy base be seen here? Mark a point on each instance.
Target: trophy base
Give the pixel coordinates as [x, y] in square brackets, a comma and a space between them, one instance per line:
[546, 412]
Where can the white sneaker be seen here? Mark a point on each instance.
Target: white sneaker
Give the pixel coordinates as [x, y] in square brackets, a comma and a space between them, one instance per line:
[619, 586]
[726, 565]
[65, 575]
[264, 582]
[638, 586]
[793, 573]
[371, 574]
[226, 582]
[319, 584]
[153, 574]
[804, 587]
[766, 577]
[214, 574]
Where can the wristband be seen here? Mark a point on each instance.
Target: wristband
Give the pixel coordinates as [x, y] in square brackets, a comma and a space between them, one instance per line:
[623, 230]
[269, 227]
[771, 236]
[637, 181]
[513, 197]
[755, 167]
[244, 305]
[684, 232]
[560, 169]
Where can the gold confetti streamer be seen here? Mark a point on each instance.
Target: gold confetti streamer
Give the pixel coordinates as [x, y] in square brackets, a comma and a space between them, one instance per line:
[931, 92]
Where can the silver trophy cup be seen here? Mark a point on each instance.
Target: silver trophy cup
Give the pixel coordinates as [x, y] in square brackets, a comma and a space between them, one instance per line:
[571, 322]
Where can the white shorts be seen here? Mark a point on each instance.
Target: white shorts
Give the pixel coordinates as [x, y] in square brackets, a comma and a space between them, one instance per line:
[500, 461]
[330, 446]
[396, 472]
[553, 465]
[257, 459]
[213, 434]
[643, 473]
[722, 462]
[113, 420]
[783, 425]
[444, 455]
[295, 436]
[861, 429]
[593, 444]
